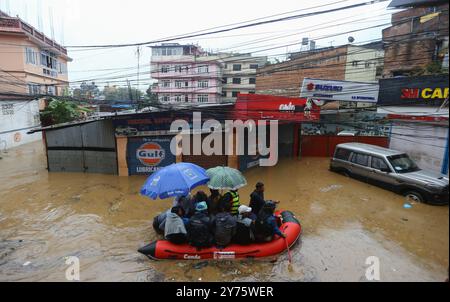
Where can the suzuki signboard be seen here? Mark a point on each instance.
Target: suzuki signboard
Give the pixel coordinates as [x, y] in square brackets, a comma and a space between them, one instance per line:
[332, 90]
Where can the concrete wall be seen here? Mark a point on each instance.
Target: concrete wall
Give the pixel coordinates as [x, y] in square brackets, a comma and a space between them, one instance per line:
[426, 144]
[362, 64]
[16, 119]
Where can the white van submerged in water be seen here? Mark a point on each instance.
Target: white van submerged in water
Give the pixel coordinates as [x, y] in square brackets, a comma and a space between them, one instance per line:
[390, 169]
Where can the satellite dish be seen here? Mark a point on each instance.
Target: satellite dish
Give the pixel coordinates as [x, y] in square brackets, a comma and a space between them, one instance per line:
[351, 39]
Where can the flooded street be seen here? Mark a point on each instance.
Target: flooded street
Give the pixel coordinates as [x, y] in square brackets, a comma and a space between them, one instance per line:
[103, 220]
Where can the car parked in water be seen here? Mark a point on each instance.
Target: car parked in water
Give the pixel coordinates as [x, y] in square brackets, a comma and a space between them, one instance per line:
[390, 169]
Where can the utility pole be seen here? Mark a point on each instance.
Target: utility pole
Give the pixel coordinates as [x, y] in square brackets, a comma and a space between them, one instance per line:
[138, 53]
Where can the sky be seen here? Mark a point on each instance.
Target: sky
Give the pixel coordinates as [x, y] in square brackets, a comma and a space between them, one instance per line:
[99, 22]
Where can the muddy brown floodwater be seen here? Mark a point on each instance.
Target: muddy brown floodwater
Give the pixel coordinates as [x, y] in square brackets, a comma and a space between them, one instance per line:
[102, 219]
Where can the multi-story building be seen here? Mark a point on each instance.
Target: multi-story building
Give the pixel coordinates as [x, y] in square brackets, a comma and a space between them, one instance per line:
[186, 74]
[30, 62]
[417, 41]
[239, 74]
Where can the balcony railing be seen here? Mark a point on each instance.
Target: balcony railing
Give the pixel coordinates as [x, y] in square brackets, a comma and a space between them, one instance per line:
[17, 25]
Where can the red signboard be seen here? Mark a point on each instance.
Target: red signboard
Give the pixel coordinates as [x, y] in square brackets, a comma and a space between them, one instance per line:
[270, 107]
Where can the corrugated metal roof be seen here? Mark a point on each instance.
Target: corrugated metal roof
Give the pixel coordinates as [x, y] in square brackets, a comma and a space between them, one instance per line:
[128, 113]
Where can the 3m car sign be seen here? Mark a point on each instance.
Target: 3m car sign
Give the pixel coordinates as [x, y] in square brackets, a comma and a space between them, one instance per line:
[146, 155]
[429, 90]
[331, 90]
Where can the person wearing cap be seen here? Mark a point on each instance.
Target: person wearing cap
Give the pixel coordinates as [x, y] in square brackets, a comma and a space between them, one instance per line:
[199, 225]
[224, 226]
[257, 198]
[266, 223]
[245, 226]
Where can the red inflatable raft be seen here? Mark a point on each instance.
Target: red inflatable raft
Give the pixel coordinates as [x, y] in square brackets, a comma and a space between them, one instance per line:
[163, 249]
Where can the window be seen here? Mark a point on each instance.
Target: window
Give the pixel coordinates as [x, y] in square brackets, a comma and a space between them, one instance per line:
[236, 67]
[203, 84]
[403, 164]
[252, 81]
[236, 80]
[224, 80]
[367, 65]
[178, 98]
[355, 63]
[342, 154]
[360, 159]
[186, 84]
[379, 164]
[202, 98]
[165, 68]
[34, 89]
[165, 98]
[31, 56]
[165, 84]
[253, 66]
[48, 59]
[51, 90]
[62, 68]
[251, 92]
[203, 69]
[234, 94]
[224, 94]
[179, 84]
[186, 98]
[178, 68]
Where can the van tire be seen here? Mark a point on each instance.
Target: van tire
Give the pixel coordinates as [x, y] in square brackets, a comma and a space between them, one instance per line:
[345, 173]
[414, 196]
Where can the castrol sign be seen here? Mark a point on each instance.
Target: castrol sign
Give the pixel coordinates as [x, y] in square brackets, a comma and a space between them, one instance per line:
[150, 154]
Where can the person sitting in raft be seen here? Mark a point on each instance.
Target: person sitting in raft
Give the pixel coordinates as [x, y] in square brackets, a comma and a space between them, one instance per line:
[224, 226]
[266, 223]
[175, 230]
[232, 197]
[245, 226]
[257, 198]
[186, 203]
[213, 202]
[199, 197]
[159, 222]
[198, 227]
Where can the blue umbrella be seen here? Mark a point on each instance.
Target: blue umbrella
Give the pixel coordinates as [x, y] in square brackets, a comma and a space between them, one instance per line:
[174, 180]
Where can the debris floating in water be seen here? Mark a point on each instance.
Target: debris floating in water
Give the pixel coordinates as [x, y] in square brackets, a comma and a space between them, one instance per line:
[330, 188]
[407, 206]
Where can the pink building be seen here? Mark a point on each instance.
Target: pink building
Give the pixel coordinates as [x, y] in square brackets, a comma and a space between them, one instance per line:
[186, 74]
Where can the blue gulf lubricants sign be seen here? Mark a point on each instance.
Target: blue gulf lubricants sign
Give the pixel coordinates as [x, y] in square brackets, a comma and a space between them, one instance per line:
[146, 155]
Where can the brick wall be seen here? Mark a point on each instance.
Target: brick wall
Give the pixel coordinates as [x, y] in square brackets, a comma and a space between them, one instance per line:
[285, 79]
[410, 44]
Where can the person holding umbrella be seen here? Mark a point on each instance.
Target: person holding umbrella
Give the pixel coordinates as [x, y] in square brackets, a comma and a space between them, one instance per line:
[226, 178]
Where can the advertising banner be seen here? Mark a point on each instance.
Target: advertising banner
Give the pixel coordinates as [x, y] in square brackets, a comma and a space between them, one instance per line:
[331, 90]
[146, 155]
[430, 90]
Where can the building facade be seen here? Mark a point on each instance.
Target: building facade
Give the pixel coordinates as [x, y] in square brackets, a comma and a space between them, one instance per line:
[239, 74]
[185, 74]
[417, 41]
[30, 62]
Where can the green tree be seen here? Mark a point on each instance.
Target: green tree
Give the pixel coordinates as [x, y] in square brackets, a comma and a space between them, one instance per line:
[60, 111]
